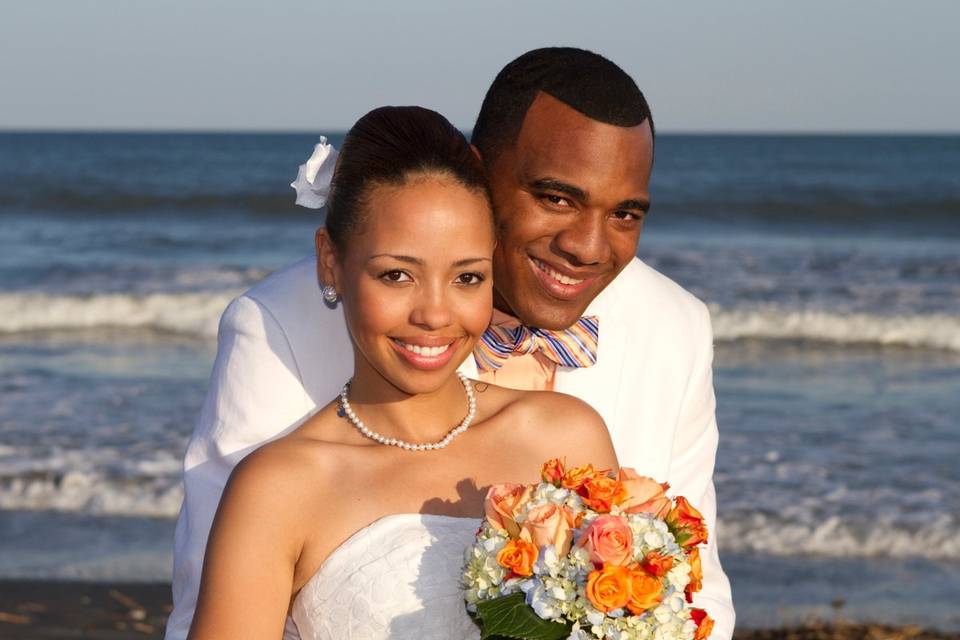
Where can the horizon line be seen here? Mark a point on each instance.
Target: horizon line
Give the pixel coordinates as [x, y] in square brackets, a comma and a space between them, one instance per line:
[339, 131]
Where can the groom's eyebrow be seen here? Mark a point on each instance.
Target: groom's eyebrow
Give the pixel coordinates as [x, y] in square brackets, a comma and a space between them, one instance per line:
[552, 184]
[559, 186]
[642, 205]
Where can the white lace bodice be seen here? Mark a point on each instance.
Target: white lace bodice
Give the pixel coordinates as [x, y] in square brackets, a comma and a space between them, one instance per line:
[398, 577]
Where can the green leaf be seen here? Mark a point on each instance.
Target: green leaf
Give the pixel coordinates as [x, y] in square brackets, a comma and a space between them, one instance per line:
[509, 617]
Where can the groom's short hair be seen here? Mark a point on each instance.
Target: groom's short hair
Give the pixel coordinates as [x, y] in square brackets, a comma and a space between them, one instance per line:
[583, 80]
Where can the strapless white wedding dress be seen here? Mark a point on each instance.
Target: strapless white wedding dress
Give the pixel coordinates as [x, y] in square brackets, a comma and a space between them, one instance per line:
[398, 577]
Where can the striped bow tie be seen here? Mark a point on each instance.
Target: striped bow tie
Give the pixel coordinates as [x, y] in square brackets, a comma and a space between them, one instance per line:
[572, 347]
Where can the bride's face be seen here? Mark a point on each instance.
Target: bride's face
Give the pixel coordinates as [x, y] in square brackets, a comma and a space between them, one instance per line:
[415, 281]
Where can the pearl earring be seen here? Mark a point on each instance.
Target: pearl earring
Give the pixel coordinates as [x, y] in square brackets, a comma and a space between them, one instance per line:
[330, 293]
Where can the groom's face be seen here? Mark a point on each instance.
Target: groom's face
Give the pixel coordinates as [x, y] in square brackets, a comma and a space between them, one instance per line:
[571, 196]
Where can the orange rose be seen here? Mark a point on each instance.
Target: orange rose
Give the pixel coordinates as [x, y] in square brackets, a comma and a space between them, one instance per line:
[518, 556]
[696, 574]
[549, 524]
[687, 524]
[646, 592]
[609, 540]
[502, 505]
[552, 471]
[704, 624]
[574, 478]
[600, 492]
[609, 588]
[657, 565]
[645, 494]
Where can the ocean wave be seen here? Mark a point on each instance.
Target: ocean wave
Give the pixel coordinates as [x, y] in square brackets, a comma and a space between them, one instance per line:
[91, 492]
[198, 313]
[94, 493]
[188, 313]
[931, 331]
[834, 536]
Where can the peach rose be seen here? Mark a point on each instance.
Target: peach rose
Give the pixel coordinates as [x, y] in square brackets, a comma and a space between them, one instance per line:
[518, 556]
[609, 540]
[645, 494]
[600, 492]
[687, 524]
[549, 524]
[656, 564]
[696, 574]
[704, 624]
[574, 478]
[646, 592]
[552, 471]
[503, 503]
[609, 588]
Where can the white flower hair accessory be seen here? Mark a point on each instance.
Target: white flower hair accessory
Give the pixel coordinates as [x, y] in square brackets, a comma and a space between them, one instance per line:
[314, 176]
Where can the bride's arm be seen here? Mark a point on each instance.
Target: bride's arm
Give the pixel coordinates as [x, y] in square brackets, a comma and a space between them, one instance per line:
[251, 554]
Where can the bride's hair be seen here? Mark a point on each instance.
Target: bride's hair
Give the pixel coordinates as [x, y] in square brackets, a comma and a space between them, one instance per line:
[386, 147]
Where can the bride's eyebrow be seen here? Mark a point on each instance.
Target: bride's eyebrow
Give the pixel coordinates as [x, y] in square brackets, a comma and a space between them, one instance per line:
[407, 259]
[417, 261]
[466, 262]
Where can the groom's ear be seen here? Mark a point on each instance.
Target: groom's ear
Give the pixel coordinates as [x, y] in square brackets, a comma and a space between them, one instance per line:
[476, 152]
[327, 259]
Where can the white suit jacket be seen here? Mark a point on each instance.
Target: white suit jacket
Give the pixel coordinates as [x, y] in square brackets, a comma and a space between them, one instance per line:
[283, 353]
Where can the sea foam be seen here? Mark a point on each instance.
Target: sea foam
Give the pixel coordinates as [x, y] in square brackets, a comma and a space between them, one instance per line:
[931, 331]
[188, 313]
[198, 313]
[937, 538]
[94, 493]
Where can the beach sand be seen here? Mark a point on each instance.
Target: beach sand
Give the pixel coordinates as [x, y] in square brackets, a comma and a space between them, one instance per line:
[35, 609]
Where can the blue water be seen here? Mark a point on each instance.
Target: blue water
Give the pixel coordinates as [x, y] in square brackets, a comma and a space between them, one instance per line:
[831, 266]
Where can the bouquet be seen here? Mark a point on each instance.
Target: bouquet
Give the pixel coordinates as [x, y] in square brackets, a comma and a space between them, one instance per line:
[586, 554]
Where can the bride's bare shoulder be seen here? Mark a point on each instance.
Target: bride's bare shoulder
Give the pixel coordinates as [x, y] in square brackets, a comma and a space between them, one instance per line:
[554, 424]
[539, 406]
[292, 470]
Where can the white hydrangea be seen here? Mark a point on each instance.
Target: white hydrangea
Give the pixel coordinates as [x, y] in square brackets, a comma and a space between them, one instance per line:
[542, 601]
[653, 540]
[548, 562]
[547, 493]
[578, 633]
[483, 576]
[679, 576]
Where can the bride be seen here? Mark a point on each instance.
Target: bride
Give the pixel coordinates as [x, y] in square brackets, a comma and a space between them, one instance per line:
[355, 523]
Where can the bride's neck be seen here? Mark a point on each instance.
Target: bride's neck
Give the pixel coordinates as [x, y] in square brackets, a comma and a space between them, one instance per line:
[392, 412]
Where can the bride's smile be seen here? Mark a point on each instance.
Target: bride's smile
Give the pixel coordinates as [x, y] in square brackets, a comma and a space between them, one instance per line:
[426, 352]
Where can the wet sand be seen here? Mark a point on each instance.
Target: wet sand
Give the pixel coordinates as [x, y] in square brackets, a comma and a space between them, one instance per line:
[37, 609]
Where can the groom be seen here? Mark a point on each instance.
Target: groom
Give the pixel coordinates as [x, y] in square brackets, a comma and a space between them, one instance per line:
[567, 140]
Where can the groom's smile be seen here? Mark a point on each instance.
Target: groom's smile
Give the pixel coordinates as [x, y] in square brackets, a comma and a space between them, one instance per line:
[558, 282]
[570, 195]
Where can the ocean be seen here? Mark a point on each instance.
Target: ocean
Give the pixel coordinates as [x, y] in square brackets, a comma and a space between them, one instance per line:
[831, 265]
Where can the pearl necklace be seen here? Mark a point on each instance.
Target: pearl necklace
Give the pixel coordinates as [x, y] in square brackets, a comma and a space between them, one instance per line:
[345, 410]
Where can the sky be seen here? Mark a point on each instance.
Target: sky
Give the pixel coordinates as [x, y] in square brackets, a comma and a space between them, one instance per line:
[298, 65]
